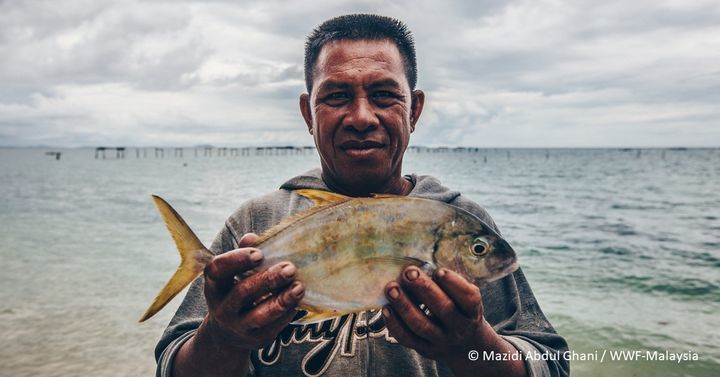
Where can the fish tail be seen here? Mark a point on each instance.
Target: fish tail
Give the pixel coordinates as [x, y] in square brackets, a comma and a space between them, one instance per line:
[193, 257]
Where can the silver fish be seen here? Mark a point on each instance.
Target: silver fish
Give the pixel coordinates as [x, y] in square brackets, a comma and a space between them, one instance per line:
[347, 249]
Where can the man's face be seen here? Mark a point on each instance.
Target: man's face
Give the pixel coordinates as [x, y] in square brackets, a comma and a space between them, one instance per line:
[361, 113]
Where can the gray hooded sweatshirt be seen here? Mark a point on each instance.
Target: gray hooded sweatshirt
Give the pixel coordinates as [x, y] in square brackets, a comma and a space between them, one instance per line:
[359, 344]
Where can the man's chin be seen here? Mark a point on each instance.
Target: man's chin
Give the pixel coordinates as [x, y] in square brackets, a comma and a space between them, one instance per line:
[363, 181]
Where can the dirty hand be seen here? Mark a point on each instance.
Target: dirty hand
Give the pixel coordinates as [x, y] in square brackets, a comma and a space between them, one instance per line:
[248, 313]
[455, 324]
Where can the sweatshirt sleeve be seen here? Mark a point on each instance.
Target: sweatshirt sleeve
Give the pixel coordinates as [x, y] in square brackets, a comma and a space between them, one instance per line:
[190, 313]
[512, 310]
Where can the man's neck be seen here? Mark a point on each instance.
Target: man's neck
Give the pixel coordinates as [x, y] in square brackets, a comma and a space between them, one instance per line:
[396, 186]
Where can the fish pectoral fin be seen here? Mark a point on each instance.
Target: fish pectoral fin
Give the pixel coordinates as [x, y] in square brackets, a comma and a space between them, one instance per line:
[378, 267]
[317, 315]
[320, 197]
[392, 259]
[401, 262]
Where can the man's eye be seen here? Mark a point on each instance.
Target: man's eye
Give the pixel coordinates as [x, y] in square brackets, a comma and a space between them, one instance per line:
[383, 94]
[338, 95]
[337, 98]
[384, 98]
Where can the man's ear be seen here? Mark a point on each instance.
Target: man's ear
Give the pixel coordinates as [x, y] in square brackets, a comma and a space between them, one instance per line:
[416, 108]
[306, 111]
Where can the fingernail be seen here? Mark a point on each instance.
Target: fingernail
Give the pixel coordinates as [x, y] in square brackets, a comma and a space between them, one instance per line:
[297, 289]
[393, 293]
[255, 255]
[412, 274]
[386, 312]
[441, 272]
[288, 271]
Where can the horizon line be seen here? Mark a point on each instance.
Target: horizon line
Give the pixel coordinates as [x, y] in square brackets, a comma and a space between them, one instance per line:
[201, 146]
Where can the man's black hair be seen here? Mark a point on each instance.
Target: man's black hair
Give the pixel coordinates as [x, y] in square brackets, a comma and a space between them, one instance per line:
[357, 27]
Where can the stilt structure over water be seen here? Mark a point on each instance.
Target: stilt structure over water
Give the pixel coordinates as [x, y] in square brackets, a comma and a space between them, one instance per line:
[55, 154]
[119, 152]
[286, 150]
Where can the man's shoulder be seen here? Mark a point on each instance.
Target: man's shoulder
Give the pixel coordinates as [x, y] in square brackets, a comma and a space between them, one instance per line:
[427, 186]
[476, 209]
[254, 214]
[277, 201]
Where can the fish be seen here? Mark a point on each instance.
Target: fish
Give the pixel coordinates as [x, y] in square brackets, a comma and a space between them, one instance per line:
[346, 249]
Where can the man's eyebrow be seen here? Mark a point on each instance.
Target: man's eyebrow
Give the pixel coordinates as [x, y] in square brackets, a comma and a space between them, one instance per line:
[384, 84]
[331, 85]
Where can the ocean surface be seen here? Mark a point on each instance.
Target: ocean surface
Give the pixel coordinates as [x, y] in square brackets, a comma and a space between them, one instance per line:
[621, 247]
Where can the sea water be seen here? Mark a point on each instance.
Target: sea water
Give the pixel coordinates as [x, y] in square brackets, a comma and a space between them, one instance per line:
[621, 247]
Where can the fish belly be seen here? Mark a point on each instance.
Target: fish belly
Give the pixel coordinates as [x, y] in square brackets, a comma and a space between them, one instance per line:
[356, 286]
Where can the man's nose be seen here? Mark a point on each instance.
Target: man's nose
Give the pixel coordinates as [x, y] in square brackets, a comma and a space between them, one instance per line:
[362, 116]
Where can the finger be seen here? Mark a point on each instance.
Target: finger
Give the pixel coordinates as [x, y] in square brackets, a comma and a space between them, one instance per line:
[248, 239]
[275, 308]
[400, 331]
[252, 289]
[267, 334]
[408, 311]
[219, 273]
[423, 289]
[465, 294]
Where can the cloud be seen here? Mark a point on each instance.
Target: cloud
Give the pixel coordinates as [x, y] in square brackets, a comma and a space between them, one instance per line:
[496, 73]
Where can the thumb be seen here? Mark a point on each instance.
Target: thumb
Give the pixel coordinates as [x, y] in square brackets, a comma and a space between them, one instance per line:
[248, 239]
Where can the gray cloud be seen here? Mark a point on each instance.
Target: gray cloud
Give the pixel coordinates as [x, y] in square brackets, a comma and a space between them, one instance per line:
[496, 73]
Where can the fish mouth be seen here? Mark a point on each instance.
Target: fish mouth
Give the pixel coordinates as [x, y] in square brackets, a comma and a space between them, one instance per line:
[503, 269]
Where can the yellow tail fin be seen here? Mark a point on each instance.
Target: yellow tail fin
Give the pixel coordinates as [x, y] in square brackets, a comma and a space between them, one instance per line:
[194, 256]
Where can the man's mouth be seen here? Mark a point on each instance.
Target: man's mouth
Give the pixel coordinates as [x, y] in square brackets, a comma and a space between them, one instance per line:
[361, 148]
[360, 144]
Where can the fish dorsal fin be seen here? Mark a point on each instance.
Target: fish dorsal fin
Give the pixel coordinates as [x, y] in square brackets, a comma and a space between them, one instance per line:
[386, 196]
[321, 198]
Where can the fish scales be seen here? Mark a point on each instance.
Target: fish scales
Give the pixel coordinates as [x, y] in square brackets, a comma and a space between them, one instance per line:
[340, 251]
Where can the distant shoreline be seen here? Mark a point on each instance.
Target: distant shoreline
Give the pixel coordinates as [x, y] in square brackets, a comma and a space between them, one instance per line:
[415, 147]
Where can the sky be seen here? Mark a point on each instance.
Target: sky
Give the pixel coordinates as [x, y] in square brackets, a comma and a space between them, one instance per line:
[496, 73]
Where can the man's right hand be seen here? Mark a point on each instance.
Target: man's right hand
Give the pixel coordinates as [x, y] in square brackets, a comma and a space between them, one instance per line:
[244, 314]
[248, 313]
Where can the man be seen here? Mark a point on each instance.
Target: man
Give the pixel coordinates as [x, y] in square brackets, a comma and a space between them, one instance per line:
[361, 108]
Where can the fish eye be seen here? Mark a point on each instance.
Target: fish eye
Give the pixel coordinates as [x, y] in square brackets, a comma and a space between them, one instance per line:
[480, 247]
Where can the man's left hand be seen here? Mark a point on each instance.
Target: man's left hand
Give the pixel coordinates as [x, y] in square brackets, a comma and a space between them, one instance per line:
[455, 324]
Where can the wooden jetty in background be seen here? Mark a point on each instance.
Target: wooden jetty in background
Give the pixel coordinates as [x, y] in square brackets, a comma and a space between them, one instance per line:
[54, 154]
[422, 149]
[119, 152]
[284, 150]
[207, 151]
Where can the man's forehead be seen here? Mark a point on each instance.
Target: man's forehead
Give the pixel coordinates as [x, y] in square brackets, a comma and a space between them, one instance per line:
[355, 56]
[360, 46]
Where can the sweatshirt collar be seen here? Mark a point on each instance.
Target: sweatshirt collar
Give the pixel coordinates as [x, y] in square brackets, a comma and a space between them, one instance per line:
[424, 186]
